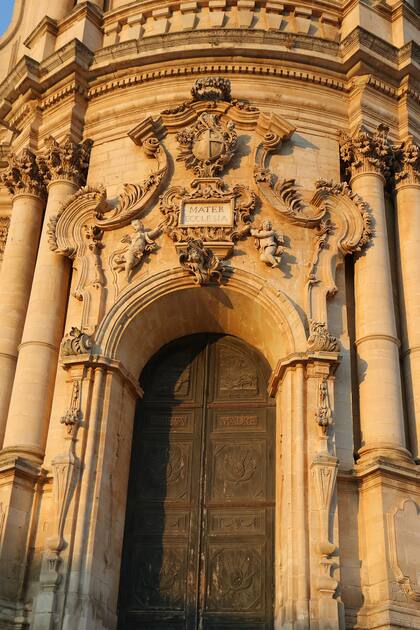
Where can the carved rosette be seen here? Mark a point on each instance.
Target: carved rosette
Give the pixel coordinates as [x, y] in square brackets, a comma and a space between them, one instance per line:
[367, 152]
[23, 175]
[66, 160]
[407, 163]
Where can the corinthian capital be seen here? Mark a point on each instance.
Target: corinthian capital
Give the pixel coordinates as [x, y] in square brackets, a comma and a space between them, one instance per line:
[407, 162]
[66, 160]
[366, 152]
[23, 175]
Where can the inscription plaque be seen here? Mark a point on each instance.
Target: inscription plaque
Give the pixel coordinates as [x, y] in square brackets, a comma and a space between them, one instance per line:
[202, 213]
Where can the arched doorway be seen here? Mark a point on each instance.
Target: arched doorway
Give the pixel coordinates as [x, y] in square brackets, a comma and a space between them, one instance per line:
[199, 537]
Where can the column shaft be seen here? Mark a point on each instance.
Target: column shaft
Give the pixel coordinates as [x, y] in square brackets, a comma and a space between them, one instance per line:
[408, 212]
[37, 362]
[15, 284]
[381, 410]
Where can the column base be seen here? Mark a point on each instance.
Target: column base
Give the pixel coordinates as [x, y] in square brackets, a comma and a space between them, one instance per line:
[30, 454]
[379, 450]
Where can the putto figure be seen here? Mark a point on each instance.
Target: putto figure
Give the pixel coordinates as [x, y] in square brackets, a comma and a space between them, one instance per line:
[140, 243]
[269, 243]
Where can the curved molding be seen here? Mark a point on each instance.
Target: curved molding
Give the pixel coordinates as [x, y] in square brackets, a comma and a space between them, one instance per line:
[14, 24]
[134, 302]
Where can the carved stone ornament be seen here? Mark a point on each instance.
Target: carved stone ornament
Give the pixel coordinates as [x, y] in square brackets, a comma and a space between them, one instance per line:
[323, 414]
[23, 175]
[201, 262]
[208, 145]
[73, 416]
[404, 543]
[211, 89]
[366, 151]
[407, 162]
[320, 340]
[208, 212]
[324, 471]
[76, 342]
[67, 160]
[140, 242]
[269, 243]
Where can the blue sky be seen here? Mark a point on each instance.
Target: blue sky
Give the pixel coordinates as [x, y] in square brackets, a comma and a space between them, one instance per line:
[6, 10]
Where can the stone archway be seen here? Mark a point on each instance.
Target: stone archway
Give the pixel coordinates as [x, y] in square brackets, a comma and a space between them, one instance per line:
[145, 317]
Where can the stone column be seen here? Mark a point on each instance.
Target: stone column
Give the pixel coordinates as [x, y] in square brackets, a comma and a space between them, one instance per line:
[25, 183]
[381, 411]
[65, 166]
[408, 231]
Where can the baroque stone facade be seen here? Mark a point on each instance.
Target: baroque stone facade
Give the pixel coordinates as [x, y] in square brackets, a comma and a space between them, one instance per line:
[242, 169]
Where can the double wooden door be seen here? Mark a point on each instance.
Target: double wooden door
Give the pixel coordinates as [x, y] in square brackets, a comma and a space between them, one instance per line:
[198, 547]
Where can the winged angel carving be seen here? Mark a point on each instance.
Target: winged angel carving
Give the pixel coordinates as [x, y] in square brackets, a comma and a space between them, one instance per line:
[269, 243]
[140, 242]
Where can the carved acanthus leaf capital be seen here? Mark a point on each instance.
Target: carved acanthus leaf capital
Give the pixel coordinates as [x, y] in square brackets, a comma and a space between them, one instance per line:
[67, 160]
[367, 152]
[407, 162]
[23, 175]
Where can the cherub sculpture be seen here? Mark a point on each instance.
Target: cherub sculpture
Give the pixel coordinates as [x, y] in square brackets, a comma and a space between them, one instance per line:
[141, 242]
[269, 243]
[201, 262]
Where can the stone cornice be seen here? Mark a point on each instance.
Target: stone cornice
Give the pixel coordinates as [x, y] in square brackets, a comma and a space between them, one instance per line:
[23, 175]
[366, 152]
[66, 160]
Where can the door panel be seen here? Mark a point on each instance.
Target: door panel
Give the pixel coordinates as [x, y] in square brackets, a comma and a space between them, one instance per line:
[198, 549]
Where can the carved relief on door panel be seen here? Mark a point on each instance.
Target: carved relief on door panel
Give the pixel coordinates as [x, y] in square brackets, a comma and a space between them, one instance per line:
[236, 522]
[234, 421]
[235, 579]
[236, 375]
[166, 473]
[159, 577]
[238, 471]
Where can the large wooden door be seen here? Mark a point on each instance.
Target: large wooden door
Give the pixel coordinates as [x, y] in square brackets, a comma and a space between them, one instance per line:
[199, 540]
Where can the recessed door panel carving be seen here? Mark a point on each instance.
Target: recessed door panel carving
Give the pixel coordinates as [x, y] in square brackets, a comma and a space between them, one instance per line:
[198, 550]
[235, 579]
